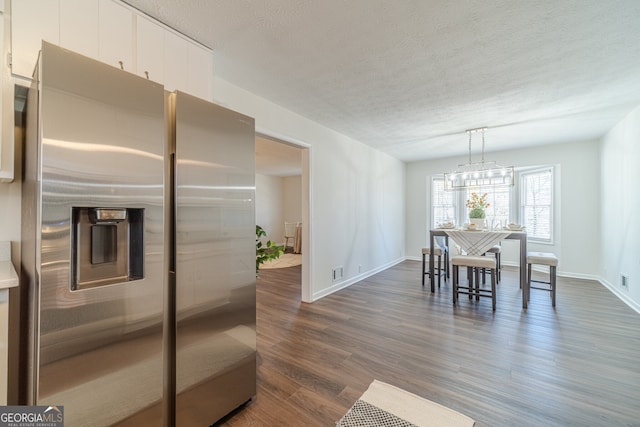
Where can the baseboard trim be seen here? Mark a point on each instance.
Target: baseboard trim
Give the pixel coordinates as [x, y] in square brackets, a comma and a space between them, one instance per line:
[350, 281]
[624, 297]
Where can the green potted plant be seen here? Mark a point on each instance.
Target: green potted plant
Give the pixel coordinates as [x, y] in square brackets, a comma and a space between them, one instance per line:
[477, 204]
[267, 251]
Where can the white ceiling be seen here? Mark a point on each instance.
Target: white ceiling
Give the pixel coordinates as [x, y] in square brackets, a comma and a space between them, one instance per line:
[276, 158]
[409, 77]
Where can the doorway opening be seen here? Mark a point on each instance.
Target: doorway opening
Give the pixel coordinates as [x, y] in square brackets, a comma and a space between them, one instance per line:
[283, 196]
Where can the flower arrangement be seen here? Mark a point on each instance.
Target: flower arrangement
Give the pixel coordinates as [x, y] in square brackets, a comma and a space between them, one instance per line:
[477, 204]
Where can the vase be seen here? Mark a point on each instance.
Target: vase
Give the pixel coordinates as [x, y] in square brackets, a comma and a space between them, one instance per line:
[477, 223]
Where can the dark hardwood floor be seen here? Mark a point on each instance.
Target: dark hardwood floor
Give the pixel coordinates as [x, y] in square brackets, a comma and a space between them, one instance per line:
[577, 365]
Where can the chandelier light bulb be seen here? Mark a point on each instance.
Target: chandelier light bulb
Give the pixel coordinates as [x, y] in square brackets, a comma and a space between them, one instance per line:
[471, 174]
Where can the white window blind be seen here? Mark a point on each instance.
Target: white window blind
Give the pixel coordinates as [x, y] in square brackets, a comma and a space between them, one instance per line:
[443, 203]
[536, 198]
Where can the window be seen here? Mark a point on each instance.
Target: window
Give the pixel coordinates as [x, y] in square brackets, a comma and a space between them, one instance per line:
[529, 202]
[450, 205]
[536, 196]
[499, 204]
[443, 203]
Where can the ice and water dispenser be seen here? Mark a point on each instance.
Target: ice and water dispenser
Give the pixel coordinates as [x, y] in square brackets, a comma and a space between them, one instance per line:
[107, 246]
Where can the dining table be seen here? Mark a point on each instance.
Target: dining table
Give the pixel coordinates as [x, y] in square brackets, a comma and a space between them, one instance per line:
[477, 242]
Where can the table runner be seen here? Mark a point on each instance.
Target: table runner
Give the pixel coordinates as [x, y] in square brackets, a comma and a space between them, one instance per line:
[477, 242]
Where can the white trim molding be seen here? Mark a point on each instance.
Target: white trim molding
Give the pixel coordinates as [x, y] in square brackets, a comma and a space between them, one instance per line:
[624, 297]
[346, 283]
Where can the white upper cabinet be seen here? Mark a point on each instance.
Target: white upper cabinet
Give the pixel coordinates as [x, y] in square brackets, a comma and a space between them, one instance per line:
[32, 22]
[149, 49]
[7, 119]
[79, 26]
[116, 35]
[200, 72]
[176, 51]
[173, 60]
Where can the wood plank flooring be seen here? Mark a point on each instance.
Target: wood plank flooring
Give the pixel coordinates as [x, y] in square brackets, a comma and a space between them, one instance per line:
[577, 365]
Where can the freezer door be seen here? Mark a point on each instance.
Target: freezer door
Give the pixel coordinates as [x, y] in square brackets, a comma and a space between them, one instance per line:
[215, 260]
[97, 350]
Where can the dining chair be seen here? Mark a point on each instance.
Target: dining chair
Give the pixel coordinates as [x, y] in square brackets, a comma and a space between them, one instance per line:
[443, 243]
[543, 258]
[437, 252]
[289, 233]
[474, 264]
[496, 250]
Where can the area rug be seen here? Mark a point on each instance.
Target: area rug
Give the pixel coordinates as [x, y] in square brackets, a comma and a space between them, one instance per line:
[284, 261]
[385, 405]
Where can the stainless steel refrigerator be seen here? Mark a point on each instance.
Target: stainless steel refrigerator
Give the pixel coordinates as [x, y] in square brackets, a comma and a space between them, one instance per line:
[138, 249]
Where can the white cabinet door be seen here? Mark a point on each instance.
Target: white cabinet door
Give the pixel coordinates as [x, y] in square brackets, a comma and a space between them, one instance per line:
[200, 72]
[32, 22]
[173, 60]
[79, 20]
[7, 119]
[150, 49]
[115, 32]
[176, 57]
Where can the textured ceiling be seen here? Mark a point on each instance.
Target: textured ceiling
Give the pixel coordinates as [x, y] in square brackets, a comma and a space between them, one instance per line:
[409, 77]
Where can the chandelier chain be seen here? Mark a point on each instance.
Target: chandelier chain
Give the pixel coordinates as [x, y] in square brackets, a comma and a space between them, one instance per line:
[482, 145]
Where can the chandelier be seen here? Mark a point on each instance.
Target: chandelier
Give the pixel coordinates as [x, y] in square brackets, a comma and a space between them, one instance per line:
[479, 174]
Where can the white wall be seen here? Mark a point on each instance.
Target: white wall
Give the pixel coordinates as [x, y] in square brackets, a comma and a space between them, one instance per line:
[278, 199]
[292, 190]
[577, 197]
[270, 206]
[356, 209]
[620, 207]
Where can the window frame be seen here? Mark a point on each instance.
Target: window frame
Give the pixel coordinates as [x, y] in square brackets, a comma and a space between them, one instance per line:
[456, 201]
[521, 200]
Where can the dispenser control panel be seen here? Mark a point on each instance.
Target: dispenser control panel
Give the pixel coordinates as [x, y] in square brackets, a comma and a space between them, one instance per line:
[107, 246]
